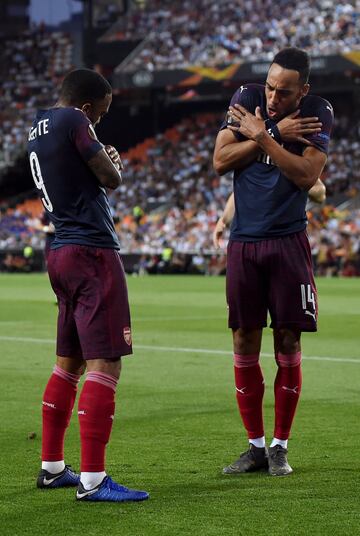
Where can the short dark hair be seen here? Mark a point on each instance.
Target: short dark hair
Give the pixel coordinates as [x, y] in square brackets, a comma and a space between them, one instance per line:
[295, 59]
[84, 85]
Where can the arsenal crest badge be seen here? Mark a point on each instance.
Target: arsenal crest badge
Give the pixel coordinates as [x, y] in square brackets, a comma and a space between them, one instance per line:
[127, 335]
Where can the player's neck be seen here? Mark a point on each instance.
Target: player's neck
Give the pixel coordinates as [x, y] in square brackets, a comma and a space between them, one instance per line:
[63, 104]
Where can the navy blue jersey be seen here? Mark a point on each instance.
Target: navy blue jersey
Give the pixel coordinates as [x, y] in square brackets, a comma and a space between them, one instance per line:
[60, 143]
[267, 203]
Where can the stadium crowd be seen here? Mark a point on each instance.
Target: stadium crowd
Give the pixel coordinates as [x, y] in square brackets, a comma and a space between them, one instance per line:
[180, 242]
[31, 65]
[207, 32]
[171, 198]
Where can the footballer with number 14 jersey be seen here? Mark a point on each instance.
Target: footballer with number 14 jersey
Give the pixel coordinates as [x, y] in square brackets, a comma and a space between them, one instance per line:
[275, 139]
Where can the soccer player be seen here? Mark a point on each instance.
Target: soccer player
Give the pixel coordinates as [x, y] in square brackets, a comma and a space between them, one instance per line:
[275, 139]
[72, 170]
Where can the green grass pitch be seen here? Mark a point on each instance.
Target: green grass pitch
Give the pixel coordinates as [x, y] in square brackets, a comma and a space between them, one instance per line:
[177, 422]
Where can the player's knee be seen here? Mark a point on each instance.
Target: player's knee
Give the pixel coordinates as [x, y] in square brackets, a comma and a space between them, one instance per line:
[71, 365]
[288, 360]
[287, 341]
[248, 360]
[246, 342]
[106, 366]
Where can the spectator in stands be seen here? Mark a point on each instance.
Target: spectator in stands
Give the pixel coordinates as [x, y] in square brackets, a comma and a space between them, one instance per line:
[30, 67]
[208, 32]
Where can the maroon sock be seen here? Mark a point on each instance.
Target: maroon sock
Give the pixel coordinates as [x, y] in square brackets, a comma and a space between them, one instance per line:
[249, 383]
[287, 392]
[58, 402]
[96, 414]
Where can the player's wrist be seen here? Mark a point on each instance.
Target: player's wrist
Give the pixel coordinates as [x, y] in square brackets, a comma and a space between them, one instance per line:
[260, 137]
[273, 130]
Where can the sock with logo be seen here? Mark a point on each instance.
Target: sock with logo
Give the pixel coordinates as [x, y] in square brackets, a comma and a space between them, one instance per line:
[96, 414]
[287, 389]
[58, 403]
[249, 384]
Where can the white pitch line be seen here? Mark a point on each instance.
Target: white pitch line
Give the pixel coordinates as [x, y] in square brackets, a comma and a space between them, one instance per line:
[227, 352]
[176, 318]
[188, 350]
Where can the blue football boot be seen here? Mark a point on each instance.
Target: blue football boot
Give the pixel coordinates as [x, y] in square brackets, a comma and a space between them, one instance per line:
[110, 491]
[64, 479]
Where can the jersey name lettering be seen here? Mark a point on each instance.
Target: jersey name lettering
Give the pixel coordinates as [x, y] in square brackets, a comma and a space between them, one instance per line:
[41, 128]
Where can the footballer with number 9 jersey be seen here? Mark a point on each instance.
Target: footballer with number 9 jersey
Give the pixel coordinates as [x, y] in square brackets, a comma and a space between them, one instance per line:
[71, 170]
[275, 139]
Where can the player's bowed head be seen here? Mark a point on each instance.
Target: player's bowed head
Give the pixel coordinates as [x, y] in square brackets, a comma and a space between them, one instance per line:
[91, 93]
[88, 91]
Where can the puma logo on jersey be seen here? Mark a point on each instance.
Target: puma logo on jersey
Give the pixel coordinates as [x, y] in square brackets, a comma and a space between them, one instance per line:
[241, 390]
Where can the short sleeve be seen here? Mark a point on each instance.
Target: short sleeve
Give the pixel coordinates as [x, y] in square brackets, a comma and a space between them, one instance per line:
[248, 97]
[82, 134]
[324, 111]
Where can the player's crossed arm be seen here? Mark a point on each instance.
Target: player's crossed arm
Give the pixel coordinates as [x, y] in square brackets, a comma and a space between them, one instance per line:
[114, 157]
[301, 170]
[230, 154]
[107, 166]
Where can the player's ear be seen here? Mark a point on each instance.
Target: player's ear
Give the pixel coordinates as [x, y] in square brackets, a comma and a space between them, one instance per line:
[86, 108]
[305, 90]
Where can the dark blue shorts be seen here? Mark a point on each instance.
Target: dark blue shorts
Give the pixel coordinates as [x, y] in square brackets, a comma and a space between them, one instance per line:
[271, 276]
[94, 315]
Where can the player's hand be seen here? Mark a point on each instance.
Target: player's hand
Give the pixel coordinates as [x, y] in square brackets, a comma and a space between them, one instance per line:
[218, 233]
[294, 128]
[317, 193]
[248, 125]
[114, 156]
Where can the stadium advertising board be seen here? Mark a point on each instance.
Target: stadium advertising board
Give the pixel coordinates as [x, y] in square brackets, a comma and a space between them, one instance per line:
[195, 75]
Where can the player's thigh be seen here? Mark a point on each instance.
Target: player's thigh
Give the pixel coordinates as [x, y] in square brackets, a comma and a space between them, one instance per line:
[292, 292]
[245, 287]
[102, 312]
[60, 263]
